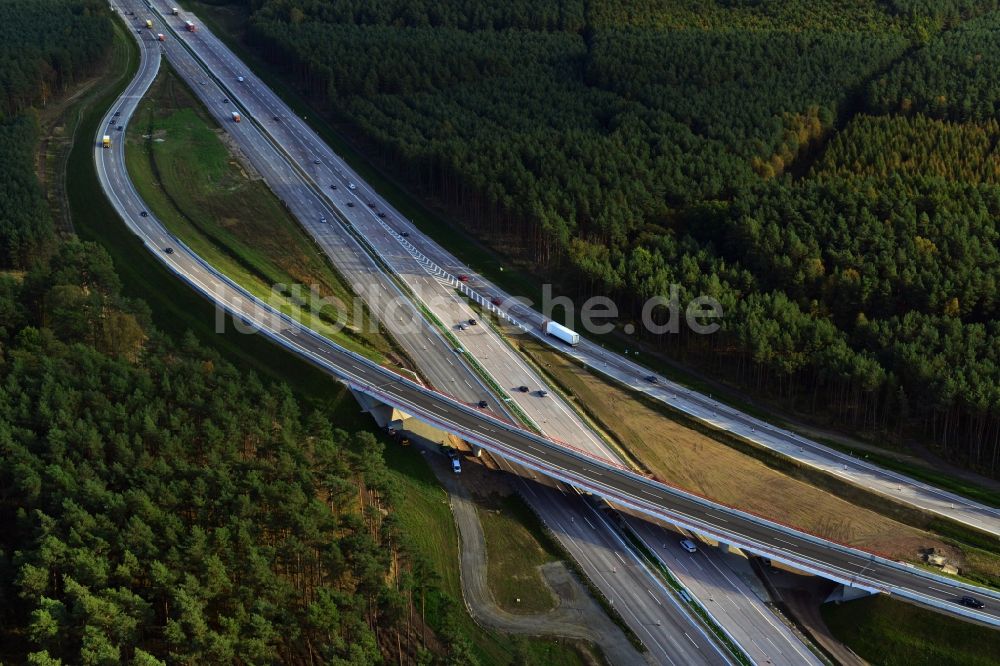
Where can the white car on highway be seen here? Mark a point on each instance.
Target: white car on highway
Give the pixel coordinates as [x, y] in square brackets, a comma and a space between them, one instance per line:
[688, 545]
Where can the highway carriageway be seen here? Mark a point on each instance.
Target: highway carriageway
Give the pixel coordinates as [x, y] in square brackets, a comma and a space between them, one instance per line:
[603, 478]
[730, 525]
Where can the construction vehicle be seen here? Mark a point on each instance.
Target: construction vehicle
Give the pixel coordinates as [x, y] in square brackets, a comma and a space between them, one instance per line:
[149, 23]
[190, 27]
[106, 141]
[236, 117]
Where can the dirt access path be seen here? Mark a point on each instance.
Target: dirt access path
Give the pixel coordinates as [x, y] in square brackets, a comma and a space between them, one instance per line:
[576, 615]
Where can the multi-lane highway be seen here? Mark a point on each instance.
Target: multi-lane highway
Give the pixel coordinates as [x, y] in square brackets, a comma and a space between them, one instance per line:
[444, 265]
[554, 417]
[658, 622]
[298, 136]
[847, 565]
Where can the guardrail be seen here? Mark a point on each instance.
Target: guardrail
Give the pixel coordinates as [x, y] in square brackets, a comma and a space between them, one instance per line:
[573, 478]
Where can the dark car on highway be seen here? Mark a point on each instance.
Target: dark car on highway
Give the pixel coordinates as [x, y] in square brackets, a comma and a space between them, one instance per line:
[971, 602]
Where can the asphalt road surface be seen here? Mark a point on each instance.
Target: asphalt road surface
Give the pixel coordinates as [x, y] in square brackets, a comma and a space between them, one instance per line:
[297, 137]
[730, 525]
[551, 415]
[430, 350]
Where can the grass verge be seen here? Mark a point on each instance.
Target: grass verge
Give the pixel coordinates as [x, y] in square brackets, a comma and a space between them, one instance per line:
[60, 119]
[514, 554]
[691, 455]
[175, 308]
[922, 472]
[184, 166]
[893, 633]
[686, 599]
[425, 518]
[228, 23]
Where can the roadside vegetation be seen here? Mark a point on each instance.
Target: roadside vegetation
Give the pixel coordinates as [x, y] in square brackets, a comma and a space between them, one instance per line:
[187, 170]
[514, 554]
[622, 147]
[132, 436]
[425, 516]
[696, 461]
[893, 633]
[127, 458]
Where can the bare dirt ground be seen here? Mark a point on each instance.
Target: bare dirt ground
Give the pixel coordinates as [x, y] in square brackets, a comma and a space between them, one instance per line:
[802, 596]
[696, 462]
[576, 615]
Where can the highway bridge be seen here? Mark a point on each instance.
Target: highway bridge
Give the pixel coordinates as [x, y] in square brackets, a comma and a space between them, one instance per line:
[601, 477]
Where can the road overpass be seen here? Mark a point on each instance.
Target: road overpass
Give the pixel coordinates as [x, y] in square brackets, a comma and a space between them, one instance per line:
[660, 624]
[727, 524]
[297, 135]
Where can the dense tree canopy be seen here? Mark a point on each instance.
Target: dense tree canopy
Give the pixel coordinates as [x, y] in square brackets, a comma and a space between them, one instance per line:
[25, 222]
[721, 145]
[956, 76]
[157, 504]
[45, 45]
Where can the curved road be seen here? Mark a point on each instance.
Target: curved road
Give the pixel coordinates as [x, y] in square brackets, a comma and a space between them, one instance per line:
[656, 621]
[729, 525]
[264, 104]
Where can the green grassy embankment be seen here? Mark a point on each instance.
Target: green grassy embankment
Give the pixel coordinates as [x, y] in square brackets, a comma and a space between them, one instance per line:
[183, 165]
[893, 633]
[177, 310]
[676, 448]
[174, 307]
[516, 548]
[228, 23]
[425, 517]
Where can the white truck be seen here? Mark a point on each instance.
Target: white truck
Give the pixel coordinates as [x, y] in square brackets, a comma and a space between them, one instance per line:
[175, 11]
[236, 117]
[567, 335]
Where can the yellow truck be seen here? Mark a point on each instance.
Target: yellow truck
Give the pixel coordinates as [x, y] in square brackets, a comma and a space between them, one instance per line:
[149, 23]
[106, 142]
